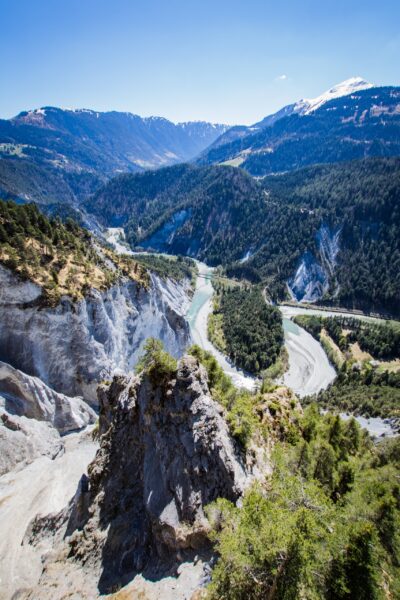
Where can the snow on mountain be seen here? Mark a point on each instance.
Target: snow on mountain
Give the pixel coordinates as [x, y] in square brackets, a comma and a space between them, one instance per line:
[354, 84]
[305, 106]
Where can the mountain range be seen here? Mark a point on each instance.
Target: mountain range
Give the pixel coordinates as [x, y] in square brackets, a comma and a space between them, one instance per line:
[54, 155]
[310, 231]
[352, 120]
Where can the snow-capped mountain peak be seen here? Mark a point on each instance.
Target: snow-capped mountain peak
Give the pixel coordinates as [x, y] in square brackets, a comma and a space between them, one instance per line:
[354, 84]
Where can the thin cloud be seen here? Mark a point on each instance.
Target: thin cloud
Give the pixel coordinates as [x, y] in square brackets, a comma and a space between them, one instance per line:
[281, 78]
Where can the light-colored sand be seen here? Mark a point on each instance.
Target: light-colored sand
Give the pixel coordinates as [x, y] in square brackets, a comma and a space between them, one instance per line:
[190, 577]
[309, 368]
[116, 237]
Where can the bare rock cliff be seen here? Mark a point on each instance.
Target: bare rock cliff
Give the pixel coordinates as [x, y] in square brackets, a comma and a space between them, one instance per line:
[165, 453]
[28, 396]
[32, 418]
[74, 346]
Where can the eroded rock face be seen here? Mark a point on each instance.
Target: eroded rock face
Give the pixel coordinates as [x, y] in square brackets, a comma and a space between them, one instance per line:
[316, 274]
[29, 397]
[165, 453]
[310, 281]
[76, 345]
[22, 440]
[32, 417]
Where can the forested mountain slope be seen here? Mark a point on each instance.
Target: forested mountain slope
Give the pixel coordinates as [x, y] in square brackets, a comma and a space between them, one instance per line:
[302, 107]
[331, 231]
[357, 205]
[59, 259]
[54, 155]
[362, 124]
[189, 210]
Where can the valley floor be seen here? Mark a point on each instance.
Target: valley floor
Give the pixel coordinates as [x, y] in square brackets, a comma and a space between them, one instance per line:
[309, 368]
[197, 316]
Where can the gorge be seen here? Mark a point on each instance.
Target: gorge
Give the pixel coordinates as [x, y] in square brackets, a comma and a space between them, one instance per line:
[73, 346]
[137, 459]
[309, 369]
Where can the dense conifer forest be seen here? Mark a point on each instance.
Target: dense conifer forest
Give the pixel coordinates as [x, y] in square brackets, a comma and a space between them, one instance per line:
[177, 268]
[260, 230]
[367, 357]
[252, 333]
[327, 527]
[362, 198]
[328, 521]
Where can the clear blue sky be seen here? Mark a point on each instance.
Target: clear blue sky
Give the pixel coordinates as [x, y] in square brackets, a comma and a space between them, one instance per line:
[222, 60]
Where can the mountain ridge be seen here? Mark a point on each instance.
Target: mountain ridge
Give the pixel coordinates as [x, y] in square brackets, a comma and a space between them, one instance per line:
[52, 155]
[364, 123]
[303, 106]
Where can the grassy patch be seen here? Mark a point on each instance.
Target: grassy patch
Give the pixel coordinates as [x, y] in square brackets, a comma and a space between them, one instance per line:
[215, 330]
[333, 352]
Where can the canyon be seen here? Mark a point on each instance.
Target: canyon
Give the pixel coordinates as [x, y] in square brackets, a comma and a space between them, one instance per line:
[114, 479]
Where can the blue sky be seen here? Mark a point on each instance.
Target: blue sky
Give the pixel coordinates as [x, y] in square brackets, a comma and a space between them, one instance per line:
[223, 61]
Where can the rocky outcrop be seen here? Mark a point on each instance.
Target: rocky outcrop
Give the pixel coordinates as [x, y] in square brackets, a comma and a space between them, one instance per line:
[162, 239]
[22, 440]
[310, 282]
[328, 246]
[28, 396]
[32, 417]
[165, 453]
[75, 345]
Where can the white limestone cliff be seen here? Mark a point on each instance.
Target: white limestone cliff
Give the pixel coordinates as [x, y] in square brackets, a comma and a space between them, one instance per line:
[75, 345]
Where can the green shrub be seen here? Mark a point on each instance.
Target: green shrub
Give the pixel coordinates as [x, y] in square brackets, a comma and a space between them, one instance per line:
[325, 524]
[156, 362]
[239, 405]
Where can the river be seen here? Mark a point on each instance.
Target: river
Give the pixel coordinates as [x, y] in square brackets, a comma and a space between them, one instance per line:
[309, 368]
[308, 359]
[197, 317]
